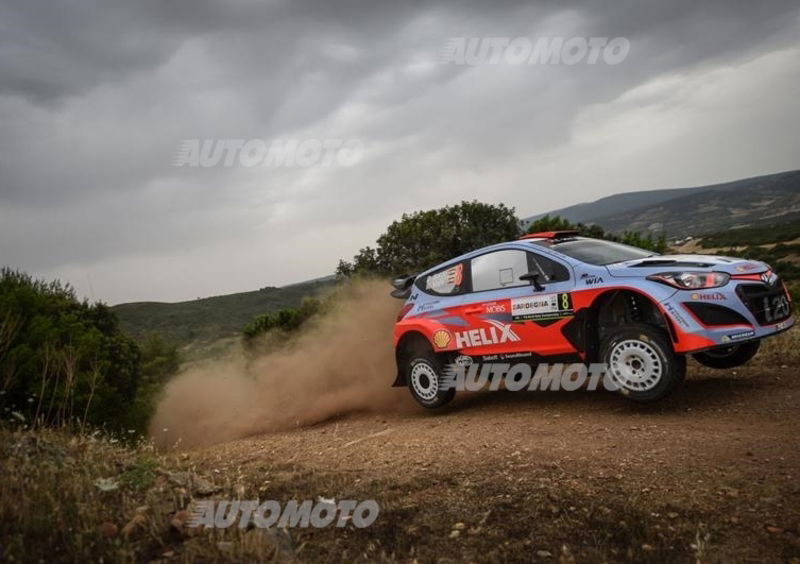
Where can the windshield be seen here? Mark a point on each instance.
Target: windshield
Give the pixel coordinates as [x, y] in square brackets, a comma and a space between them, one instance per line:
[595, 251]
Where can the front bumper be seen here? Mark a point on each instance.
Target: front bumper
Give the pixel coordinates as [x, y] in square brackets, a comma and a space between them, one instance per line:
[738, 312]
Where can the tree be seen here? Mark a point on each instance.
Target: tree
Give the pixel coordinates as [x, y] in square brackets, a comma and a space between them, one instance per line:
[645, 241]
[425, 238]
[62, 360]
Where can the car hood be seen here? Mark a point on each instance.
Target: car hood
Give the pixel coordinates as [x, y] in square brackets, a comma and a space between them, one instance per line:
[680, 263]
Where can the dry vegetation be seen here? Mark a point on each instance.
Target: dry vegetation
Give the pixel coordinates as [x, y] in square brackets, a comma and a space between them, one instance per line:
[708, 475]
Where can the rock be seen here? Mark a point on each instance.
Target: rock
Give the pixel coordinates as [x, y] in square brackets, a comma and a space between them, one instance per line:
[106, 484]
[647, 547]
[459, 526]
[455, 533]
[544, 554]
[566, 556]
[773, 530]
[108, 530]
[672, 515]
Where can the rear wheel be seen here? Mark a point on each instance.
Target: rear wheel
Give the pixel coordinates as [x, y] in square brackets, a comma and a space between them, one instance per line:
[728, 357]
[424, 376]
[641, 362]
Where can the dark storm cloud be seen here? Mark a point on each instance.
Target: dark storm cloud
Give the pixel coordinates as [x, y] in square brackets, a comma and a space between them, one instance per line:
[95, 98]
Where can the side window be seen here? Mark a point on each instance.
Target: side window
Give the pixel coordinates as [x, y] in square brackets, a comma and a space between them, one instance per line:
[448, 282]
[500, 269]
[551, 270]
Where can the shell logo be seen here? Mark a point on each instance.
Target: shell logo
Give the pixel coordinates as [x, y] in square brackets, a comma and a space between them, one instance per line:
[441, 338]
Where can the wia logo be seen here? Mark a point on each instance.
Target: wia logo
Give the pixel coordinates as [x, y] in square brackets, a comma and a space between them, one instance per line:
[497, 334]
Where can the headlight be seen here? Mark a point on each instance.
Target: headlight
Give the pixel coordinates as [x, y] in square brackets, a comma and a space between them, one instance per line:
[692, 280]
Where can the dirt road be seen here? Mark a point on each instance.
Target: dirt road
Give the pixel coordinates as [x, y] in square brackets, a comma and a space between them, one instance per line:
[709, 474]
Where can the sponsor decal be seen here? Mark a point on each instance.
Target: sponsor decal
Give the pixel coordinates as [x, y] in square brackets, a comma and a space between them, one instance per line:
[463, 360]
[427, 307]
[442, 338]
[776, 308]
[712, 297]
[676, 314]
[446, 281]
[738, 336]
[536, 308]
[591, 279]
[497, 333]
[505, 356]
[497, 307]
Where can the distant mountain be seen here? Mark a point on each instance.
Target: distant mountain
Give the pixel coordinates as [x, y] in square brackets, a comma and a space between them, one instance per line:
[759, 201]
[694, 211]
[209, 319]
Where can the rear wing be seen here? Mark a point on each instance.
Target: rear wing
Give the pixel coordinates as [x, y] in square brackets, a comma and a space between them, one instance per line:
[402, 286]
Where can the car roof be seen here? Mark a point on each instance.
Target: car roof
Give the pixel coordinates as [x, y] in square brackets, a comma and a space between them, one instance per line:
[526, 243]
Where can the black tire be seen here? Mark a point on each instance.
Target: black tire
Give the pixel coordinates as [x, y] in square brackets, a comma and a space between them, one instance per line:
[423, 371]
[641, 362]
[729, 357]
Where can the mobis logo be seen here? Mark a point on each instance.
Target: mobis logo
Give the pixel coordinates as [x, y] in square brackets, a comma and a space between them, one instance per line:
[497, 334]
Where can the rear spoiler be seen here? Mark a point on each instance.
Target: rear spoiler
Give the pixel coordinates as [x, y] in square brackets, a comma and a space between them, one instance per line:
[402, 286]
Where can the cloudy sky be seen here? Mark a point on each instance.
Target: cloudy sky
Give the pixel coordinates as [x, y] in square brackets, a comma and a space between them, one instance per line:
[97, 98]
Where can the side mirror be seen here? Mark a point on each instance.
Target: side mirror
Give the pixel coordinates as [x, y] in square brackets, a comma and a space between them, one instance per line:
[533, 278]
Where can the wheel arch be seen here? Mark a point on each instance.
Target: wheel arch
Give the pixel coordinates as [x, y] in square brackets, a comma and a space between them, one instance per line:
[410, 340]
[631, 302]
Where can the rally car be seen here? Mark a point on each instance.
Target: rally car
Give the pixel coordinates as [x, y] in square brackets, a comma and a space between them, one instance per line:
[559, 297]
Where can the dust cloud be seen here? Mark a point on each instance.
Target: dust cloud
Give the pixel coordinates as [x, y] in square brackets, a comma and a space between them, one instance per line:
[342, 363]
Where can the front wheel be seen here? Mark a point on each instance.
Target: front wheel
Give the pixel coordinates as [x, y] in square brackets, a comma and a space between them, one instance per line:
[641, 362]
[728, 357]
[424, 377]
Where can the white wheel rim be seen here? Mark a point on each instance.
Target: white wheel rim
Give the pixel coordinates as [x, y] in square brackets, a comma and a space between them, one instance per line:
[425, 381]
[635, 365]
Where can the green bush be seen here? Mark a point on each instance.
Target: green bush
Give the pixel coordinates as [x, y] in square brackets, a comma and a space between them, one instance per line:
[283, 321]
[66, 362]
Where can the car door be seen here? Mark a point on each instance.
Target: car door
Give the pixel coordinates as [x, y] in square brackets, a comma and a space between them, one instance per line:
[510, 315]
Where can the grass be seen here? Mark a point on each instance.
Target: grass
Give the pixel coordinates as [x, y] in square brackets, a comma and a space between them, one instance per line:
[84, 498]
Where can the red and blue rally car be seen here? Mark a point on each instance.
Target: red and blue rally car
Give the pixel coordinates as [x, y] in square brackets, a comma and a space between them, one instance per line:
[559, 297]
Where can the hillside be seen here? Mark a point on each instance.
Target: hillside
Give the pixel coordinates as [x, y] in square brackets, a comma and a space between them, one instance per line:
[752, 202]
[761, 200]
[209, 319]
